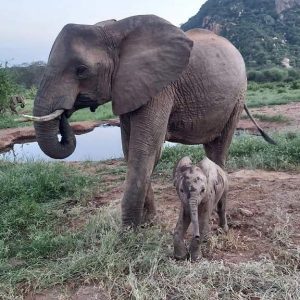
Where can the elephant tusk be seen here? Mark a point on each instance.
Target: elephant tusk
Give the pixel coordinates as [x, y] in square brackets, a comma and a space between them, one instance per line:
[26, 118]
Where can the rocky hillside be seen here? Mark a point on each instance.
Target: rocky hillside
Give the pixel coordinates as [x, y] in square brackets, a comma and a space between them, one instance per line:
[267, 32]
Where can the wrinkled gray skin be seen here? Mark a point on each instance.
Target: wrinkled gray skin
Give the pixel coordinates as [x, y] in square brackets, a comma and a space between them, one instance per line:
[201, 190]
[163, 83]
[15, 101]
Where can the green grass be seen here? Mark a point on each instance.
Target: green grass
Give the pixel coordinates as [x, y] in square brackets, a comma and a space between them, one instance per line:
[245, 152]
[259, 95]
[32, 197]
[103, 112]
[267, 118]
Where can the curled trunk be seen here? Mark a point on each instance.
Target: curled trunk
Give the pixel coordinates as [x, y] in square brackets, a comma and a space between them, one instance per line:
[46, 135]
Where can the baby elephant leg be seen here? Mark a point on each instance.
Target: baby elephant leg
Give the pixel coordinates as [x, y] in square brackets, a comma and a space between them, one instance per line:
[222, 212]
[195, 248]
[184, 220]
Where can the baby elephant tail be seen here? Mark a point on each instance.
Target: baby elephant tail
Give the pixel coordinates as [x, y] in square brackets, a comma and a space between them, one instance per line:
[264, 135]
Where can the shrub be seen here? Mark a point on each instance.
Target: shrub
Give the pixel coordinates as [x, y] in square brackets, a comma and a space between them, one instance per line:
[295, 85]
[273, 75]
[6, 89]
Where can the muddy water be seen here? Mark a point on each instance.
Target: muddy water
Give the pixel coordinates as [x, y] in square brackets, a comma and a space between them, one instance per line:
[102, 143]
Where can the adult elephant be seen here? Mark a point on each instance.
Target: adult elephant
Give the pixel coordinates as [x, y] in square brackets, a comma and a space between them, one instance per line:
[163, 83]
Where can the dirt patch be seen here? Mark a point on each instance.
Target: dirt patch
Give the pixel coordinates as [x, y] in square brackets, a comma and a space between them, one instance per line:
[290, 111]
[260, 205]
[10, 136]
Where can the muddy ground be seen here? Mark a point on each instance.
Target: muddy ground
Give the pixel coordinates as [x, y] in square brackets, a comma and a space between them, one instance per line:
[262, 206]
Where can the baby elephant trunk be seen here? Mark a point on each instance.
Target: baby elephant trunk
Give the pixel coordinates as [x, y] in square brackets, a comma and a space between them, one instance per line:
[194, 216]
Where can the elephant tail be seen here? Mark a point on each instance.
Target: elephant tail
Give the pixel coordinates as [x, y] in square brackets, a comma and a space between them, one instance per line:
[264, 134]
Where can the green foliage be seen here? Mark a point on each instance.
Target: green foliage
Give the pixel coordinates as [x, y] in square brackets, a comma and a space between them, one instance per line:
[254, 27]
[28, 75]
[7, 87]
[273, 75]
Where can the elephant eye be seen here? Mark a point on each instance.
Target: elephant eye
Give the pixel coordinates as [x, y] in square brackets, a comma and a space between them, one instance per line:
[82, 71]
[202, 190]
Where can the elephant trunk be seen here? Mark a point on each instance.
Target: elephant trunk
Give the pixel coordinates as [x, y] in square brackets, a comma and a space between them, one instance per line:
[193, 202]
[46, 135]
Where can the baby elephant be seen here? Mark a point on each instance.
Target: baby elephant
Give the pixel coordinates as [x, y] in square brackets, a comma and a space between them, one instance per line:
[201, 190]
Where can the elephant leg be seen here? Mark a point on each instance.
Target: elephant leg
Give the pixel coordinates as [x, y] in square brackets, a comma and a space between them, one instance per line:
[221, 209]
[184, 220]
[149, 206]
[149, 210]
[217, 149]
[147, 131]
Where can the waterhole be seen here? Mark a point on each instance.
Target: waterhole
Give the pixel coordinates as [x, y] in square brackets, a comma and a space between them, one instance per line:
[102, 143]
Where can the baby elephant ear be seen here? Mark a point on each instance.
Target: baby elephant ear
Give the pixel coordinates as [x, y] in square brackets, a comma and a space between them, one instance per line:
[153, 53]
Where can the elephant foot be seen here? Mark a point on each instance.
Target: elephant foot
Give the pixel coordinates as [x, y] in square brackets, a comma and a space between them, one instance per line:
[132, 221]
[180, 250]
[194, 249]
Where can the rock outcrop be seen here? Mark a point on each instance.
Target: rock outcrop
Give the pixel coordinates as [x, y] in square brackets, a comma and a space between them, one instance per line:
[282, 5]
[265, 31]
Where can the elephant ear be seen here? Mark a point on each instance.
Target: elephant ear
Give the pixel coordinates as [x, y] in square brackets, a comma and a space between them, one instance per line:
[153, 53]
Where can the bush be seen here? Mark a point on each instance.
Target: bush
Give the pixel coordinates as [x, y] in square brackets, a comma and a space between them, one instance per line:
[7, 87]
[295, 85]
[273, 75]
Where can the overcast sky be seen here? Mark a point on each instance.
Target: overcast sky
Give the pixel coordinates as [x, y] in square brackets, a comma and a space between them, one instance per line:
[29, 27]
